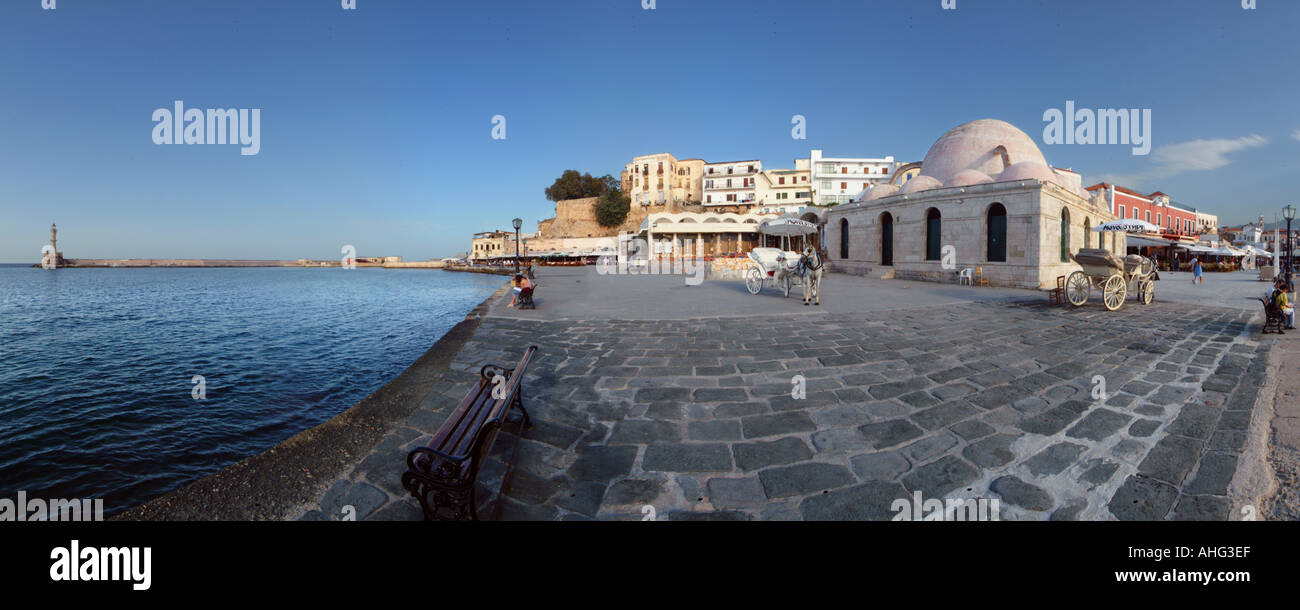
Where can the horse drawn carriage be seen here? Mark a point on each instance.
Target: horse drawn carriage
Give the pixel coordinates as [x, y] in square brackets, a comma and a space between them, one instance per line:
[1115, 277]
[785, 268]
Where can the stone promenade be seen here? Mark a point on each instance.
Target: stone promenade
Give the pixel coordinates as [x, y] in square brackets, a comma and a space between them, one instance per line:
[995, 399]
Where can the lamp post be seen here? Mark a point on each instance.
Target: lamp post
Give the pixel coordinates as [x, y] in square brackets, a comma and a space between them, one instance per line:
[516, 223]
[1289, 213]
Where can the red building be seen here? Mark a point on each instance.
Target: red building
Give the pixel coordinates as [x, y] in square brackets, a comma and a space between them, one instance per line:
[1155, 208]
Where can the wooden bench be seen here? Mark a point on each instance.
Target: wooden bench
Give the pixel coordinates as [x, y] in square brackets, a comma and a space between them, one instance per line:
[442, 475]
[1273, 316]
[525, 300]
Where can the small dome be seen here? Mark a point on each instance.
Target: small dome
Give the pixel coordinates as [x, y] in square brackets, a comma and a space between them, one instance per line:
[974, 145]
[882, 190]
[969, 177]
[1028, 170]
[920, 183]
[862, 195]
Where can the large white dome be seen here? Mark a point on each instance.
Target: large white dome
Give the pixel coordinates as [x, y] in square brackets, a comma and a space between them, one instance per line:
[974, 146]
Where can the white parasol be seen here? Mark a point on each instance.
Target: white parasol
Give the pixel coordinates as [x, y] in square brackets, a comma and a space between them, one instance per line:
[1127, 225]
[787, 227]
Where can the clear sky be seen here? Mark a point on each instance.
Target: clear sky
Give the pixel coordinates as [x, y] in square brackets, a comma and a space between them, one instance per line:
[376, 123]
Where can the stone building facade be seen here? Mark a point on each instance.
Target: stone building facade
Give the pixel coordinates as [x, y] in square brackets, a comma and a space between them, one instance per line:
[662, 183]
[984, 199]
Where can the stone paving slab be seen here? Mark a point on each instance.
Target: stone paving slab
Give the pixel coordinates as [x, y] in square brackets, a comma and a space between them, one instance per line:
[695, 417]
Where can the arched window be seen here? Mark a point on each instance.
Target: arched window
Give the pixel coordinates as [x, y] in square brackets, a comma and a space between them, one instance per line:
[996, 232]
[844, 238]
[1087, 233]
[1065, 235]
[886, 239]
[933, 235]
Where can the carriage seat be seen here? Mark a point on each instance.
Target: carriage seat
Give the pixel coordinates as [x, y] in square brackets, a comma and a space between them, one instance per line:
[1133, 262]
[770, 258]
[1100, 258]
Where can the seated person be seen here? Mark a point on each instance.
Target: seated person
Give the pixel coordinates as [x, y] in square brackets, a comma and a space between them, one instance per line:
[521, 283]
[1280, 299]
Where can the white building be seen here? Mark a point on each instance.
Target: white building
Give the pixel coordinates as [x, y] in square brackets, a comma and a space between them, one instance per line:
[734, 183]
[1205, 222]
[840, 179]
[784, 188]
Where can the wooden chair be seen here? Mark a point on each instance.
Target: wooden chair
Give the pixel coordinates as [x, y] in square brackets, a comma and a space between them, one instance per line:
[1056, 296]
[980, 278]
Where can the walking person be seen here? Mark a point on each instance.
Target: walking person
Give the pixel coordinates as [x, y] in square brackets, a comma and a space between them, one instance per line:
[1197, 278]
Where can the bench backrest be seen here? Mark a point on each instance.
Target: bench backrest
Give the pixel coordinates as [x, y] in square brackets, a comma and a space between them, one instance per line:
[477, 418]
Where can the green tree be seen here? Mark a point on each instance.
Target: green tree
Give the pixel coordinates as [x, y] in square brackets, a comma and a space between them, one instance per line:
[612, 208]
[573, 185]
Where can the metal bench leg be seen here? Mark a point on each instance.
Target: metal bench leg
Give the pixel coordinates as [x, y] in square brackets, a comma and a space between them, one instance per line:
[519, 402]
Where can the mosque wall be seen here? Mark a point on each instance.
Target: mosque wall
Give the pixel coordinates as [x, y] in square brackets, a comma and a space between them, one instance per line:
[1033, 213]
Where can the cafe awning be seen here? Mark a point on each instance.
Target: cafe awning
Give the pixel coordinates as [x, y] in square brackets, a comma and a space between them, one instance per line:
[1156, 242]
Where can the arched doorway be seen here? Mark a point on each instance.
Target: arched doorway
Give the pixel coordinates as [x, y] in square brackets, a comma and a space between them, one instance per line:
[1065, 235]
[996, 231]
[933, 235]
[844, 238]
[886, 239]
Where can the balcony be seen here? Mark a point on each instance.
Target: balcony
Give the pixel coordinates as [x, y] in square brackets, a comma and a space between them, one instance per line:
[740, 172]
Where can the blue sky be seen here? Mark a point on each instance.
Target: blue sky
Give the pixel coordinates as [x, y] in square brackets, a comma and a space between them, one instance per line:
[376, 123]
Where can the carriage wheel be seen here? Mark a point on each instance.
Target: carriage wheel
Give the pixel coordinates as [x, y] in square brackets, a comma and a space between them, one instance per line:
[1147, 291]
[754, 280]
[1077, 288]
[785, 285]
[1113, 292]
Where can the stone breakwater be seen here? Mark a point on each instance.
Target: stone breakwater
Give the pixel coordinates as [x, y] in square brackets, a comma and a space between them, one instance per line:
[85, 263]
[174, 262]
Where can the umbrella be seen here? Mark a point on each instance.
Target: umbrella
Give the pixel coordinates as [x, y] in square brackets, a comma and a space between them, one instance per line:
[1127, 225]
[787, 227]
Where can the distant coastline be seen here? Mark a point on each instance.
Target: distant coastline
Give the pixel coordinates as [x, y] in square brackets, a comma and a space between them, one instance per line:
[92, 263]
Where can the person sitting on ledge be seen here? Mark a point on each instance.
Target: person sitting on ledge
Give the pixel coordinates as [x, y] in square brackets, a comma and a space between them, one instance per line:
[521, 283]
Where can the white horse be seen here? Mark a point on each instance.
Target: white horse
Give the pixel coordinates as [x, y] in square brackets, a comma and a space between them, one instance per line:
[810, 272]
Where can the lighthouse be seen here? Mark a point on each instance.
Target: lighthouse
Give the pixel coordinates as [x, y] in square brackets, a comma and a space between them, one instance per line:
[50, 258]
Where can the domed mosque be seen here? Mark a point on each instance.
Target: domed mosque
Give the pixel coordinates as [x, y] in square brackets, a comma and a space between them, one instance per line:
[984, 197]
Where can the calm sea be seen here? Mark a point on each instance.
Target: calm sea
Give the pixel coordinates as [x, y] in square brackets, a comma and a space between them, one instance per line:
[96, 365]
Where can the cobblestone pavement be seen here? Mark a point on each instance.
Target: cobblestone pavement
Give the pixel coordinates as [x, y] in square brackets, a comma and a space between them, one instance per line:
[968, 400]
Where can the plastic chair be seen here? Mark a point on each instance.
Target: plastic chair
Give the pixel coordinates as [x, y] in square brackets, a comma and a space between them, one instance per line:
[966, 277]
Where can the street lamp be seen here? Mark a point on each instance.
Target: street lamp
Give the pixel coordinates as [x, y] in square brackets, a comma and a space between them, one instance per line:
[1289, 213]
[517, 223]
